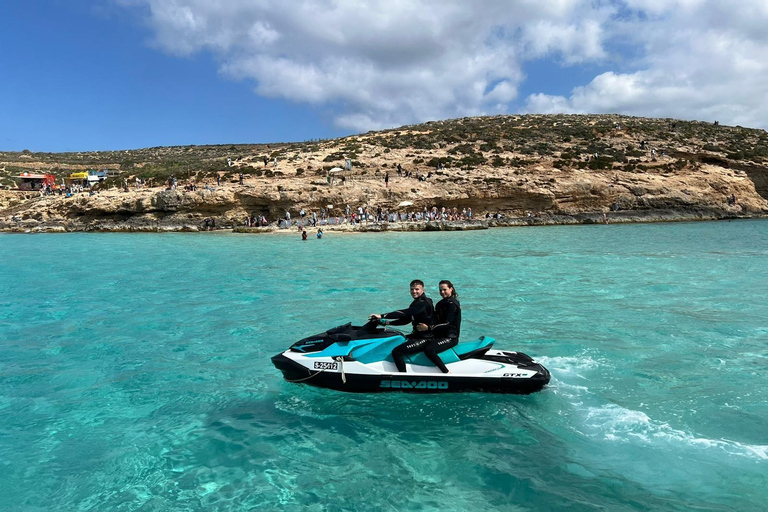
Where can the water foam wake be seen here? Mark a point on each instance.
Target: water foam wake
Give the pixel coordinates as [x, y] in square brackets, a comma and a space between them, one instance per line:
[569, 365]
[616, 423]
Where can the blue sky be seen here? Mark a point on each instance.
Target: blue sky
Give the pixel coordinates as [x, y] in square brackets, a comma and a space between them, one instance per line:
[123, 74]
[78, 78]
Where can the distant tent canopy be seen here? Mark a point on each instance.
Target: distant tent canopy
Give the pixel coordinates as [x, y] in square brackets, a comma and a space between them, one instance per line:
[32, 176]
[405, 203]
[35, 181]
[337, 173]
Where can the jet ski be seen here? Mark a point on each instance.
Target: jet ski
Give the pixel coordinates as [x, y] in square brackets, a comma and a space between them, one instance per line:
[359, 359]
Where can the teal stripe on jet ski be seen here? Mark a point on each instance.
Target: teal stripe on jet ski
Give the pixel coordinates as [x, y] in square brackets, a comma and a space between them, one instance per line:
[379, 349]
[452, 355]
[468, 346]
[377, 352]
[365, 351]
[448, 357]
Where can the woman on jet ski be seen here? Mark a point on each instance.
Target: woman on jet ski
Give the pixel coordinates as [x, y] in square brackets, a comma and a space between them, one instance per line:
[445, 332]
[420, 312]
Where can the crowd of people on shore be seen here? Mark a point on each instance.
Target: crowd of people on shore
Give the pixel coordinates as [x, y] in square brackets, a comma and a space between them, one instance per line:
[366, 214]
[62, 191]
[256, 221]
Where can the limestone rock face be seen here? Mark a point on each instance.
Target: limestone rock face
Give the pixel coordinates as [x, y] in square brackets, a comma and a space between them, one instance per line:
[531, 169]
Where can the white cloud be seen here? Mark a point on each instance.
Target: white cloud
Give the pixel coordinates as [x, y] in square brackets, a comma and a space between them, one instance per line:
[578, 42]
[703, 60]
[380, 63]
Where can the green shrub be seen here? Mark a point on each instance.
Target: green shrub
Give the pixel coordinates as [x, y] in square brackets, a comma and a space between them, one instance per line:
[472, 160]
[600, 163]
[445, 160]
[464, 149]
[333, 157]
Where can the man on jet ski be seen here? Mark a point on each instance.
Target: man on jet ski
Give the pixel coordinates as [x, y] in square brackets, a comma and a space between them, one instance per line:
[420, 311]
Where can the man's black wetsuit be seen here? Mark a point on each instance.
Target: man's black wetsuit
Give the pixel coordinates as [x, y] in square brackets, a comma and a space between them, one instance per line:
[421, 311]
[445, 331]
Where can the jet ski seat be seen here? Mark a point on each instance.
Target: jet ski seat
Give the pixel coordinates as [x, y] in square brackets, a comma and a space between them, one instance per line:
[379, 347]
[464, 350]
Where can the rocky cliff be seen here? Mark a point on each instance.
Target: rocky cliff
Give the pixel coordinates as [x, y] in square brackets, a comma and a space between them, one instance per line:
[532, 169]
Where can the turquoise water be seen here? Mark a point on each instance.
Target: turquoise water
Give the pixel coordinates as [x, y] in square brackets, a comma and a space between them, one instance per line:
[135, 372]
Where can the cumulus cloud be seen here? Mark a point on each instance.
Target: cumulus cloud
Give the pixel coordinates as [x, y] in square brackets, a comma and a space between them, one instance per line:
[701, 59]
[381, 63]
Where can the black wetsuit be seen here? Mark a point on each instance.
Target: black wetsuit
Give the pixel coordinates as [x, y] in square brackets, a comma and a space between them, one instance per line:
[447, 318]
[445, 331]
[421, 311]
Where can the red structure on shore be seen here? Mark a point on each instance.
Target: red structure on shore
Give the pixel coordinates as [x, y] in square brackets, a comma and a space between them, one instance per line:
[30, 181]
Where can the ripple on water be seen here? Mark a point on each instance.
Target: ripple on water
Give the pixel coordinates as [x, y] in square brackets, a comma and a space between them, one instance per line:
[149, 386]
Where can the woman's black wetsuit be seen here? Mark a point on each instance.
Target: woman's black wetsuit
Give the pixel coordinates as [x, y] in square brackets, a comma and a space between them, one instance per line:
[421, 311]
[446, 330]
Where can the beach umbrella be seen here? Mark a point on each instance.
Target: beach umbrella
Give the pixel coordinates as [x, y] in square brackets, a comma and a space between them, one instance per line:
[405, 203]
[336, 169]
[329, 206]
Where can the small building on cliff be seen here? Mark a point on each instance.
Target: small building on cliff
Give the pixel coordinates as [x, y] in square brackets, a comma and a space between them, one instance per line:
[86, 178]
[32, 181]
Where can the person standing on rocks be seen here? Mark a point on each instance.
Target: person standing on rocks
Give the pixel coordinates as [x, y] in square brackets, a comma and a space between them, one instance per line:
[386, 179]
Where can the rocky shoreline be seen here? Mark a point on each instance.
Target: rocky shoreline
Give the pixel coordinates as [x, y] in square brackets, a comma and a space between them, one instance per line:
[169, 225]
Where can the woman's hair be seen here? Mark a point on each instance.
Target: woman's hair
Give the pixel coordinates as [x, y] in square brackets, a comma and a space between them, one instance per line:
[450, 285]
